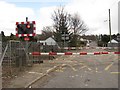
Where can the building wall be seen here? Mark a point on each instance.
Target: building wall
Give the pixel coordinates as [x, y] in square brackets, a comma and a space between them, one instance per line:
[112, 44]
[50, 41]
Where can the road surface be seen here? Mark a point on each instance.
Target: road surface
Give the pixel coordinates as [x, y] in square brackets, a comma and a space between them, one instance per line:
[87, 71]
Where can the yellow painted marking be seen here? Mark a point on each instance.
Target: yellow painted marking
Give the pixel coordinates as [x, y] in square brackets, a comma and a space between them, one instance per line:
[115, 72]
[86, 66]
[108, 66]
[63, 68]
[96, 69]
[59, 71]
[72, 68]
[82, 67]
[89, 68]
[81, 63]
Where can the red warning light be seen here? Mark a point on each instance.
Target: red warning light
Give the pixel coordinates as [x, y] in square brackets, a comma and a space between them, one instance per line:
[28, 26]
[26, 39]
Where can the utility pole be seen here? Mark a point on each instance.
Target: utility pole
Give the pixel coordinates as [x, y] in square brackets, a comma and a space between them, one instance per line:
[110, 25]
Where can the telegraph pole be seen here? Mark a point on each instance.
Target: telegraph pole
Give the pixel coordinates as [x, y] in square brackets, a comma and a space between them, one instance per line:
[110, 25]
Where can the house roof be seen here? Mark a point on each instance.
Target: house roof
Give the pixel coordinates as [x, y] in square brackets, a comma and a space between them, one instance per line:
[45, 38]
[48, 41]
[113, 41]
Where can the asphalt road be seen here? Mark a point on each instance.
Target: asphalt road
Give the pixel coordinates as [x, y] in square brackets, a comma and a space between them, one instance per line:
[89, 71]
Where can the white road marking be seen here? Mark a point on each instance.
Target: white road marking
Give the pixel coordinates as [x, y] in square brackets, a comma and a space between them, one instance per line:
[34, 73]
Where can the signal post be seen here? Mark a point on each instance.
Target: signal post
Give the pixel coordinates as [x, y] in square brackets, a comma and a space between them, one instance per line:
[26, 30]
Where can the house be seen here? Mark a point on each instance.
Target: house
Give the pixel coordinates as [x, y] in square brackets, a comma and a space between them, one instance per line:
[81, 39]
[48, 44]
[87, 41]
[48, 41]
[114, 43]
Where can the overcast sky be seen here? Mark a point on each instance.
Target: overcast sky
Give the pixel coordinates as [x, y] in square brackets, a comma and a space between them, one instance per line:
[93, 12]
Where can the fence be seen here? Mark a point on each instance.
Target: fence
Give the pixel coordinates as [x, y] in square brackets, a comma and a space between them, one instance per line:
[13, 57]
[16, 57]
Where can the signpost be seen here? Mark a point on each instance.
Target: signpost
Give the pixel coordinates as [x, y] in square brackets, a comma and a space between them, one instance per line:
[65, 37]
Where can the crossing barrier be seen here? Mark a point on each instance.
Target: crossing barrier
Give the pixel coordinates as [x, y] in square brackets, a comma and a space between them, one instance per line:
[71, 53]
[79, 48]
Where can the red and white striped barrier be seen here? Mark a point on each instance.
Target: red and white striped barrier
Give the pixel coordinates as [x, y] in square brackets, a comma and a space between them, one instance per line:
[76, 48]
[70, 53]
[79, 48]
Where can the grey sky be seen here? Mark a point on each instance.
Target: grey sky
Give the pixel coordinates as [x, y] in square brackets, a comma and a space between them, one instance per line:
[93, 12]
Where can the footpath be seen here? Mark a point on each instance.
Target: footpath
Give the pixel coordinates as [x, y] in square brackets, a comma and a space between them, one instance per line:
[25, 79]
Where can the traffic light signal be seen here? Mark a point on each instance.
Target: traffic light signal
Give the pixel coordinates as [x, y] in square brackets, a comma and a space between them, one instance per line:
[25, 29]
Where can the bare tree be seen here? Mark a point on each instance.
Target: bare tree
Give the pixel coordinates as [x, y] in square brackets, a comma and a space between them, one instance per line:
[78, 25]
[47, 32]
[77, 28]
